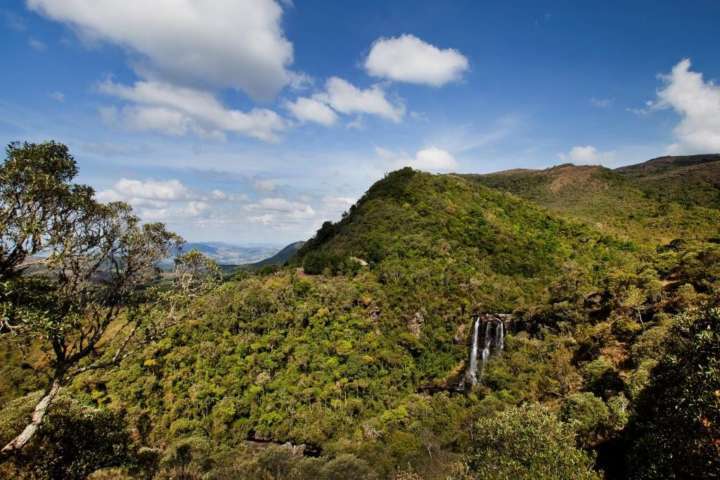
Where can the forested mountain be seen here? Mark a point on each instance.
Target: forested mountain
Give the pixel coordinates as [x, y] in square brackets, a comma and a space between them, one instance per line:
[591, 293]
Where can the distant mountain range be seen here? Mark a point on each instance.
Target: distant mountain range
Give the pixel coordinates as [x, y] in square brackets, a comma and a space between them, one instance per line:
[279, 258]
[228, 254]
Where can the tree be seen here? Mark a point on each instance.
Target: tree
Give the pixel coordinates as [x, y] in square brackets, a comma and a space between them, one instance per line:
[36, 201]
[38, 208]
[528, 443]
[635, 301]
[347, 466]
[588, 414]
[97, 263]
[675, 429]
[73, 442]
[195, 273]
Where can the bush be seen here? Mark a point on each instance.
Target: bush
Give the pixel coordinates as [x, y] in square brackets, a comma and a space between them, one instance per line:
[186, 459]
[528, 442]
[675, 430]
[588, 414]
[601, 378]
[75, 441]
[345, 467]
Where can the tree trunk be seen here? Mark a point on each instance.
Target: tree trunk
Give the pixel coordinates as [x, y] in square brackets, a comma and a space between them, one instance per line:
[17, 443]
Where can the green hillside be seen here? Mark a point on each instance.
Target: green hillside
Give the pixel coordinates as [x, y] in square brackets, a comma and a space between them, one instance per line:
[355, 351]
[439, 231]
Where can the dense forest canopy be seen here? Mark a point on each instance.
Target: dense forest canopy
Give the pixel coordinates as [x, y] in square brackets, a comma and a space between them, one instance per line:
[348, 361]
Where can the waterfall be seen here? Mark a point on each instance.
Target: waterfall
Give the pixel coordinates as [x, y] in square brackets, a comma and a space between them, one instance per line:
[471, 373]
[500, 336]
[486, 347]
[494, 342]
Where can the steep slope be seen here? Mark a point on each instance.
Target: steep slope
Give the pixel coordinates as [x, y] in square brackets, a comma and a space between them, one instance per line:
[443, 247]
[411, 224]
[653, 202]
[279, 259]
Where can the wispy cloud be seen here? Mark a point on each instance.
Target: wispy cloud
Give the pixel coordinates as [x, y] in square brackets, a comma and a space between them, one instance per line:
[13, 21]
[602, 103]
[467, 138]
[37, 45]
[177, 110]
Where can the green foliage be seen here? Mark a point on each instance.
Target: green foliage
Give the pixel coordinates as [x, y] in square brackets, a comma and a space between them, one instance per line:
[186, 459]
[99, 262]
[195, 273]
[588, 415]
[72, 443]
[358, 355]
[601, 377]
[675, 429]
[346, 466]
[37, 201]
[527, 442]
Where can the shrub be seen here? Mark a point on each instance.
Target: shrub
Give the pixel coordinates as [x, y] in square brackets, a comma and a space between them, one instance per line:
[676, 426]
[74, 442]
[528, 442]
[588, 414]
[347, 466]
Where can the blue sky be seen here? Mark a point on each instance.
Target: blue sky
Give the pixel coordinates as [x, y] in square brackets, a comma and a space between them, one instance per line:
[255, 120]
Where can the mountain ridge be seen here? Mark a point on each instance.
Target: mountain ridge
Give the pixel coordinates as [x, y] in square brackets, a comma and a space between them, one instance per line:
[651, 202]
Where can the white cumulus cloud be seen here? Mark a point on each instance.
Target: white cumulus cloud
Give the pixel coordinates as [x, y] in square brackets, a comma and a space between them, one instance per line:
[434, 159]
[346, 98]
[698, 103]
[409, 59]
[168, 200]
[587, 155]
[312, 110]
[214, 43]
[341, 96]
[155, 193]
[431, 159]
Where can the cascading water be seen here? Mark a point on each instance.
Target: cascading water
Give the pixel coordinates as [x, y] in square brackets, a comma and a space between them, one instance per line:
[494, 341]
[500, 336]
[471, 373]
[486, 347]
